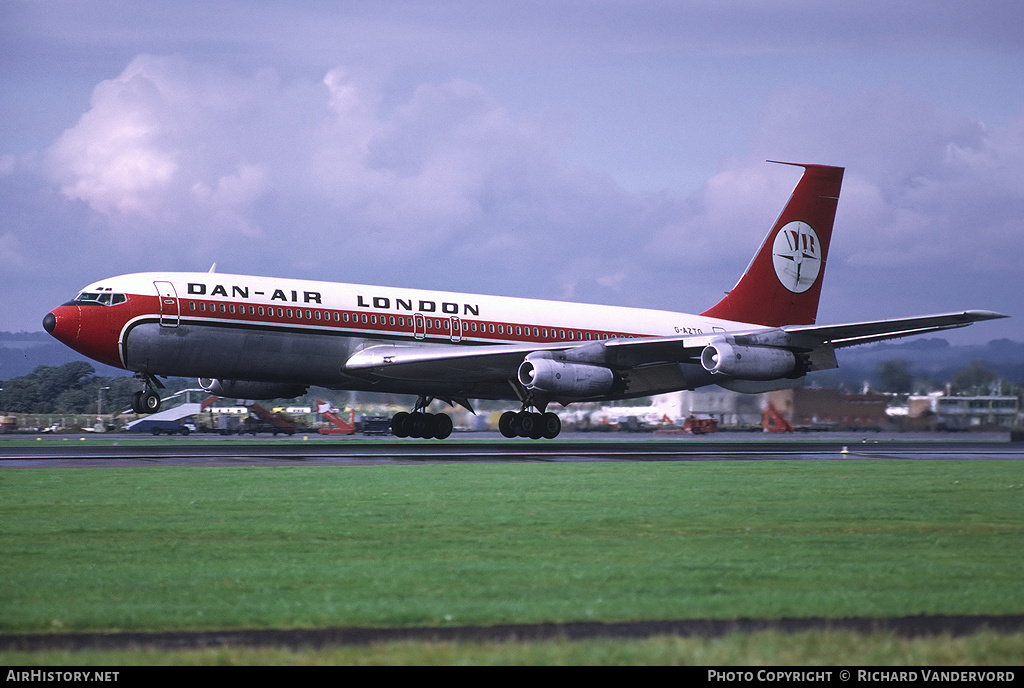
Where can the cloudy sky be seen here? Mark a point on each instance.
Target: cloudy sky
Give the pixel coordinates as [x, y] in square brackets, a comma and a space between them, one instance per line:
[601, 151]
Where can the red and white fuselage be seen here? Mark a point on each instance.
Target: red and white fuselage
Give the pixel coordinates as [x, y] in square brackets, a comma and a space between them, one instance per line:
[213, 325]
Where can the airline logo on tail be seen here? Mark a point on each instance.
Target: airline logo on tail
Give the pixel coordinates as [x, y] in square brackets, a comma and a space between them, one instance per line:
[796, 255]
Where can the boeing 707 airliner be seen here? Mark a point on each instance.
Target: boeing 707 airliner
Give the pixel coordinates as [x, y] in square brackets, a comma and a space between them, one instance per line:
[262, 338]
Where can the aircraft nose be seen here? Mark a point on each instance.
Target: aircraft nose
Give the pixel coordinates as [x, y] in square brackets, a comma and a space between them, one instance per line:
[63, 323]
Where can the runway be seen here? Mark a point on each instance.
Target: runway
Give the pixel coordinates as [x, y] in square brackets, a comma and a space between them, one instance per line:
[316, 638]
[125, 450]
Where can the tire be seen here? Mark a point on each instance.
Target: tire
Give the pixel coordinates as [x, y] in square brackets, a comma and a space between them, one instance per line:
[418, 425]
[536, 426]
[523, 424]
[506, 424]
[400, 424]
[156, 432]
[137, 403]
[442, 426]
[184, 432]
[149, 402]
[550, 425]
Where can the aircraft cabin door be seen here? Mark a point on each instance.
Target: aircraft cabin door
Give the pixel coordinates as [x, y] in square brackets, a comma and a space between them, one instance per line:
[169, 312]
[419, 327]
[456, 329]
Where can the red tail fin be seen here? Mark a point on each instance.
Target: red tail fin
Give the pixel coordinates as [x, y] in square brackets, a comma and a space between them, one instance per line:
[783, 282]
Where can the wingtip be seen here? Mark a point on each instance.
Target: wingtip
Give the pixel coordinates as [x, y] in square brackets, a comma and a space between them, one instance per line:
[985, 315]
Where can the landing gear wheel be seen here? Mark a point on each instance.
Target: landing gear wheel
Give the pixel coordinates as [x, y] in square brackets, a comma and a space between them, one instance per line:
[506, 424]
[400, 424]
[520, 424]
[551, 425]
[137, 403]
[442, 426]
[149, 402]
[419, 424]
[534, 426]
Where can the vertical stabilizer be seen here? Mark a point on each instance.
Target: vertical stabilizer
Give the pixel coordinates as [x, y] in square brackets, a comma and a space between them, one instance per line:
[782, 285]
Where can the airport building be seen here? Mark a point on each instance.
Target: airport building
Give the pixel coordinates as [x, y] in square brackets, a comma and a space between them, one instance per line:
[966, 413]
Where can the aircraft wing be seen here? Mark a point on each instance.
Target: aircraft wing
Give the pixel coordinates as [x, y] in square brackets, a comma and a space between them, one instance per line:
[442, 361]
[499, 362]
[851, 334]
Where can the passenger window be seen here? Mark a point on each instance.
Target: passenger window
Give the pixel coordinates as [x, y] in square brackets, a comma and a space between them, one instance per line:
[191, 305]
[288, 312]
[202, 306]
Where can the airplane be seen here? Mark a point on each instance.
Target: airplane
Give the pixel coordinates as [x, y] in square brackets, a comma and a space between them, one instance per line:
[261, 338]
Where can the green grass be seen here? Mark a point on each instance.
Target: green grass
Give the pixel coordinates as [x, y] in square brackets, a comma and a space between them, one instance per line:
[187, 548]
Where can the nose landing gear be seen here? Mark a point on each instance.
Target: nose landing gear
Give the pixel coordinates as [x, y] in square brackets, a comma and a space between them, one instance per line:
[146, 400]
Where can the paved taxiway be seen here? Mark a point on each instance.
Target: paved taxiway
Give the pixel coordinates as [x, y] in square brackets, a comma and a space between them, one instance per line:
[127, 450]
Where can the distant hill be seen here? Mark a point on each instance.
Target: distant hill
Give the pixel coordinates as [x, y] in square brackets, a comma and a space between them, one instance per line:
[21, 352]
[932, 358]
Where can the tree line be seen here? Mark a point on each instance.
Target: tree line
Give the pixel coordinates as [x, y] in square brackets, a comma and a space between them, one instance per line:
[70, 388]
[75, 388]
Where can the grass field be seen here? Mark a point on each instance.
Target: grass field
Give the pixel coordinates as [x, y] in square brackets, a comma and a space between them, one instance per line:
[195, 548]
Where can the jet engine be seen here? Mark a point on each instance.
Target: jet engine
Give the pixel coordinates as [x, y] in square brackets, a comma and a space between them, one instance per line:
[565, 379]
[247, 389]
[749, 362]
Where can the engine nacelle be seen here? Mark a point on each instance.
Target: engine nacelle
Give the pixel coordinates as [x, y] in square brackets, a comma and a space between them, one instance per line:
[246, 389]
[565, 379]
[749, 362]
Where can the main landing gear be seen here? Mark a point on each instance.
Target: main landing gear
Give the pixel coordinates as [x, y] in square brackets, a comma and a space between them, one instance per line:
[529, 424]
[439, 425]
[420, 424]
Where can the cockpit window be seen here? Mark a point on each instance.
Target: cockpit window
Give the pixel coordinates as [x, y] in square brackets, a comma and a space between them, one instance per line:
[104, 299]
